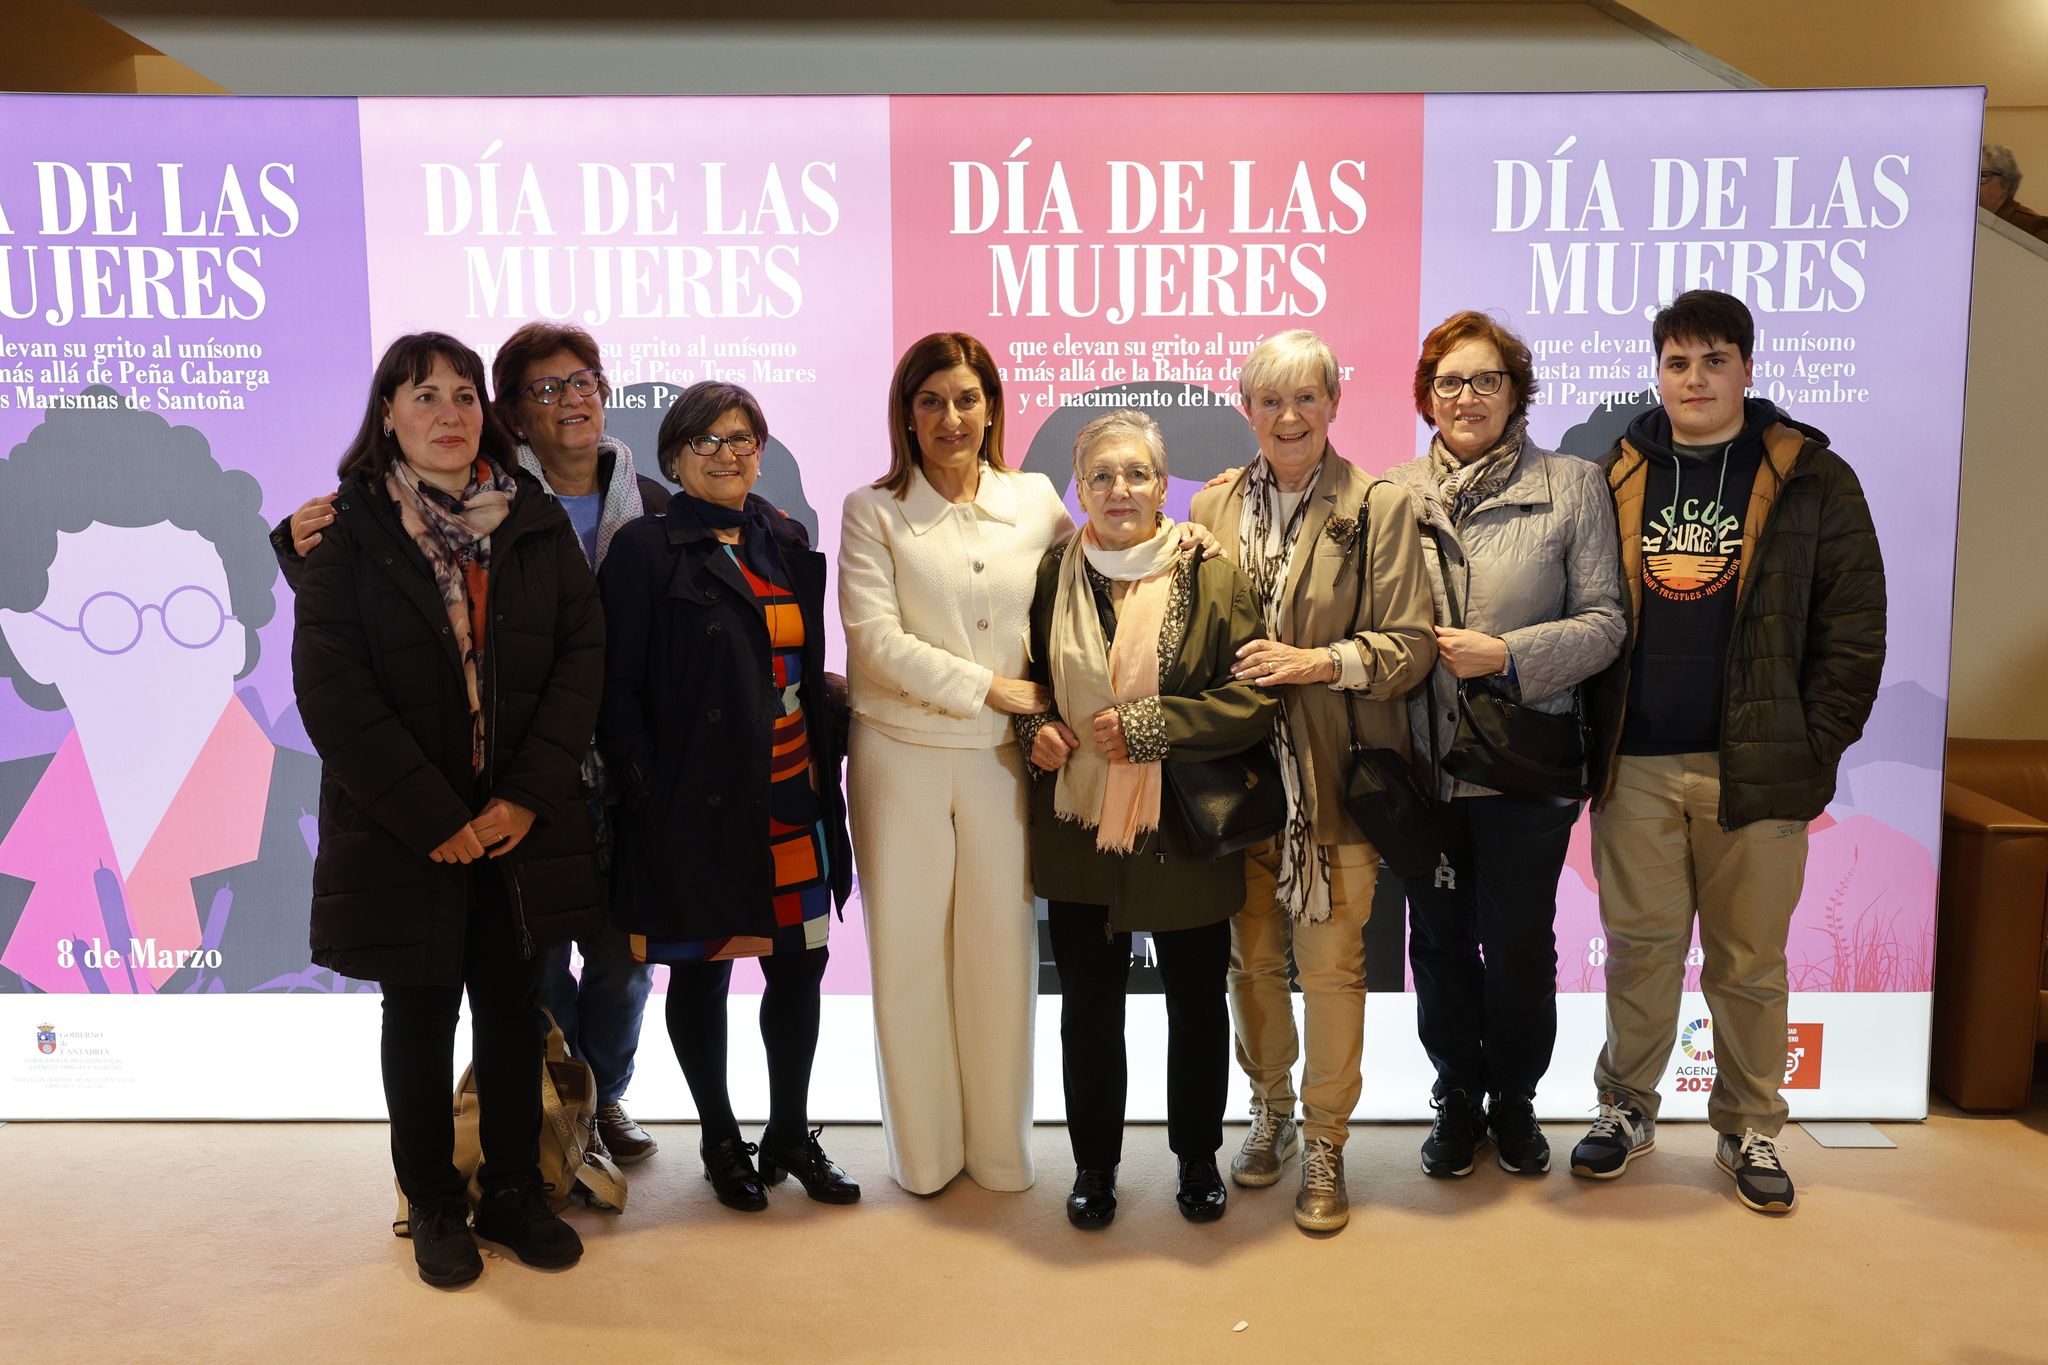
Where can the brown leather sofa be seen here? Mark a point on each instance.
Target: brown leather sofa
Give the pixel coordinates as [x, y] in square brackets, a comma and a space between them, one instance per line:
[1991, 951]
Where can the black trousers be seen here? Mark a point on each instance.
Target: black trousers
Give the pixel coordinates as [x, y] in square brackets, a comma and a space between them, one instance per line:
[1484, 949]
[789, 1031]
[1095, 967]
[418, 1048]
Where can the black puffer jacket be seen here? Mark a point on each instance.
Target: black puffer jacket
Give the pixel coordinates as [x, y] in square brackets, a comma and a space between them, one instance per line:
[1807, 648]
[688, 725]
[382, 695]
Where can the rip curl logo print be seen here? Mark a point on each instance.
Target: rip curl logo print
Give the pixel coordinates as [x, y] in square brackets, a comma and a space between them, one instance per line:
[1691, 549]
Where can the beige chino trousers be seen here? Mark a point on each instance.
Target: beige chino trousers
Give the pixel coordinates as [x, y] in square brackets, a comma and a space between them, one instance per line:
[1662, 858]
[1329, 961]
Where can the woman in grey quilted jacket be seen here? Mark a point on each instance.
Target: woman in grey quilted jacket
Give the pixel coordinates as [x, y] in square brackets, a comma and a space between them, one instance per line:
[1526, 576]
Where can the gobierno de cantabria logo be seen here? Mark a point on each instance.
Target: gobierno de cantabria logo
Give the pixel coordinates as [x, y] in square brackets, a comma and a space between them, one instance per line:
[46, 1038]
[1698, 1040]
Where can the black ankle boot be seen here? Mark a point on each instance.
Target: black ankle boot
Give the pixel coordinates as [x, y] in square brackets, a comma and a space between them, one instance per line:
[819, 1174]
[729, 1166]
[1093, 1202]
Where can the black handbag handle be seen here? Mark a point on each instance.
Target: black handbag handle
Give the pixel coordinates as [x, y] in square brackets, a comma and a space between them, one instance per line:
[1357, 609]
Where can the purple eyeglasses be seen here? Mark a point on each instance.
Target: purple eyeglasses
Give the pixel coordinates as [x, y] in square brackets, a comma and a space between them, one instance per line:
[111, 622]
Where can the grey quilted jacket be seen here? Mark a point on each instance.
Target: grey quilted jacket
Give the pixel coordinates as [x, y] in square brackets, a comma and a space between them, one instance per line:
[1536, 564]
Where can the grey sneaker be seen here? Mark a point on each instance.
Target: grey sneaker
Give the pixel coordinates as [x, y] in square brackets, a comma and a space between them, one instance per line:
[1760, 1179]
[1274, 1138]
[1617, 1137]
[1322, 1205]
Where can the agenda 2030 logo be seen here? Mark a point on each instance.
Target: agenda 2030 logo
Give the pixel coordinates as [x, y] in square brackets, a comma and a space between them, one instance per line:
[1695, 1070]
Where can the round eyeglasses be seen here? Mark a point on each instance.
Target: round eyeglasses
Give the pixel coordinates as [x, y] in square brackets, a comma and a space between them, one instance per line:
[111, 622]
[548, 391]
[741, 445]
[1138, 479]
[1486, 383]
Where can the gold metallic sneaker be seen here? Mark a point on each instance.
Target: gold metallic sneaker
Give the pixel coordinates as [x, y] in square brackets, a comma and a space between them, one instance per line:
[1273, 1139]
[1322, 1205]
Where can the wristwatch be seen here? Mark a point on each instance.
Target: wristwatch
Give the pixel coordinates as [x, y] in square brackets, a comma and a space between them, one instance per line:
[1336, 662]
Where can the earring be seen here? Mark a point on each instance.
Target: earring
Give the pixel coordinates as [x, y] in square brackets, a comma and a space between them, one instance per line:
[387, 430]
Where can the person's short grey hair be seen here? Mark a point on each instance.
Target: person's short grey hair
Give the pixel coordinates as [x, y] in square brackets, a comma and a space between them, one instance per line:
[1125, 422]
[2002, 163]
[1285, 357]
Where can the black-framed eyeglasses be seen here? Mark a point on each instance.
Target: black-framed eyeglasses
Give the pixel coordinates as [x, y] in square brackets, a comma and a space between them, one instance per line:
[741, 444]
[1486, 383]
[548, 389]
[111, 622]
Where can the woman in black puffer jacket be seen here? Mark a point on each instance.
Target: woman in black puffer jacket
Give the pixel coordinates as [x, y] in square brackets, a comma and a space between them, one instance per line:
[448, 660]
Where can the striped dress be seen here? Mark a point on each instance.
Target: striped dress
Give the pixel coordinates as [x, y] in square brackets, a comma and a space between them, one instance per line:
[796, 831]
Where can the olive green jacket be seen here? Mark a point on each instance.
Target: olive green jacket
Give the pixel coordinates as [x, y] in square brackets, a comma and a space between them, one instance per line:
[1159, 885]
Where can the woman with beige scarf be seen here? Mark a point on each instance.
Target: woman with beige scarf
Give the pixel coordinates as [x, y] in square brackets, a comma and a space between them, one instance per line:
[1136, 639]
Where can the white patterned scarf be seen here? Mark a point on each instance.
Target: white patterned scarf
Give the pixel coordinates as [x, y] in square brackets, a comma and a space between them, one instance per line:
[622, 501]
[1266, 547]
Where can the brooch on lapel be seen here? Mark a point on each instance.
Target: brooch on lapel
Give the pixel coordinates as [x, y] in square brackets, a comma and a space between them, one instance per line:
[1342, 530]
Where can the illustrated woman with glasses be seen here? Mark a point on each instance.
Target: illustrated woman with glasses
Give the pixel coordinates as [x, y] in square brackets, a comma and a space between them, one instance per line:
[1528, 599]
[448, 660]
[1136, 638]
[164, 829]
[721, 743]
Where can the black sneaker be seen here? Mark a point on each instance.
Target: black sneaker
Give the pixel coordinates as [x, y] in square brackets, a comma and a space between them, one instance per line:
[1518, 1141]
[1760, 1179]
[520, 1220]
[1617, 1137]
[1457, 1134]
[442, 1247]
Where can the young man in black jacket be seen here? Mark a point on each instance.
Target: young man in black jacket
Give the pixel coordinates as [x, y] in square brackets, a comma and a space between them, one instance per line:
[1757, 631]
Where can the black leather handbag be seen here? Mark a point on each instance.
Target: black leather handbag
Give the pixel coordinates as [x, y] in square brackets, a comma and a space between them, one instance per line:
[1228, 804]
[1393, 808]
[1509, 746]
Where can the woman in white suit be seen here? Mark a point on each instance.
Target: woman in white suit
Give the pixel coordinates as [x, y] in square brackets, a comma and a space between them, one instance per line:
[937, 563]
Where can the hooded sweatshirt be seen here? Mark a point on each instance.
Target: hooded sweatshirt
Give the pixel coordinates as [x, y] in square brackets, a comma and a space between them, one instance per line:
[1693, 505]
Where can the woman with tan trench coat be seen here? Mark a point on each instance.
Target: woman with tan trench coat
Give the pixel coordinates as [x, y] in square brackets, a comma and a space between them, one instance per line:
[1304, 524]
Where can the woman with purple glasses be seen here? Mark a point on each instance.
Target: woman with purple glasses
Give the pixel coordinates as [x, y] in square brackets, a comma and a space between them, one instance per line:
[159, 848]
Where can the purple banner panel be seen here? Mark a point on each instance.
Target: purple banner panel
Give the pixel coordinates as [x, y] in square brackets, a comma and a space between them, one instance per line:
[1846, 221]
[182, 323]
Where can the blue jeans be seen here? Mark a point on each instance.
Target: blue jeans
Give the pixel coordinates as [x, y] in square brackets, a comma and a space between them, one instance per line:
[600, 1015]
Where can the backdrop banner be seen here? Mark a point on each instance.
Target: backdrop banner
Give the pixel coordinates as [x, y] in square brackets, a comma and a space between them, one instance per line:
[193, 292]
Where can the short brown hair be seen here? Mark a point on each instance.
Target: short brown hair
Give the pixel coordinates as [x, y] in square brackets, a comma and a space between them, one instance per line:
[693, 413]
[409, 360]
[1453, 332]
[1703, 317]
[925, 358]
[529, 344]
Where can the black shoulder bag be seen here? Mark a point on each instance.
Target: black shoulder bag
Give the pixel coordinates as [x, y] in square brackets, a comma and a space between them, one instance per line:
[1508, 746]
[1392, 807]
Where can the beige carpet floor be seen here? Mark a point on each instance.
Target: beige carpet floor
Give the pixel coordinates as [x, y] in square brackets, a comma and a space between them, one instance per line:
[225, 1242]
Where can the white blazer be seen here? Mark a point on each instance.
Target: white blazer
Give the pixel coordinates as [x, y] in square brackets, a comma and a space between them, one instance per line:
[936, 600]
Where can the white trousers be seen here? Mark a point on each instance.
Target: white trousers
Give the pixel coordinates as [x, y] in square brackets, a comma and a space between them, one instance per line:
[940, 840]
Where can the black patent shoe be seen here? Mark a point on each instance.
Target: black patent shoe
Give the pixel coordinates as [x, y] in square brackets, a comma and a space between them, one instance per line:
[1093, 1201]
[819, 1174]
[729, 1166]
[1200, 1196]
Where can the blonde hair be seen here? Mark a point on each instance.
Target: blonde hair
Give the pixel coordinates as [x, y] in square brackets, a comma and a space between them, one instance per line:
[1280, 358]
[1123, 422]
